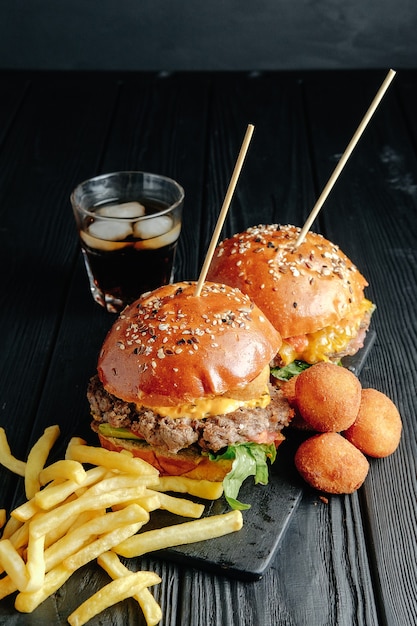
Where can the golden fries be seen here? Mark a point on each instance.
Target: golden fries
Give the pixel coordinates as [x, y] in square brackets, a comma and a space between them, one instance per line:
[13, 564]
[65, 469]
[113, 526]
[117, 590]
[26, 602]
[180, 506]
[37, 459]
[6, 457]
[35, 563]
[77, 538]
[111, 563]
[25, 511]
[55, 494]
[75, 515]
[112, 460]
[180, 534]
[200, 488]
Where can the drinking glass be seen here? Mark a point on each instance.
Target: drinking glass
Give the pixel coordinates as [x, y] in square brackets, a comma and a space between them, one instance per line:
[128, 224]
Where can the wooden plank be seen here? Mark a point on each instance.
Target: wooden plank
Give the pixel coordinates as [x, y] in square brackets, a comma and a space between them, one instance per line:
[333, 594]
[56, 137]
[161, 126]
[372, 216]
[13, 92]
[275, 182]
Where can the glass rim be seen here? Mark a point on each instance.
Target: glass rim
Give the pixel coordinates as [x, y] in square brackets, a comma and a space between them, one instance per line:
[169, 209]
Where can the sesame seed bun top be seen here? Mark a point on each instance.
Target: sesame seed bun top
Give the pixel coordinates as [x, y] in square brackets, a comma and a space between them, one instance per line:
[300, 290]
[171, 347]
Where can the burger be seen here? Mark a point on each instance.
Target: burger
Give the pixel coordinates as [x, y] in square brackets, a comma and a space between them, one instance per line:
[311, 293]
[183, 382]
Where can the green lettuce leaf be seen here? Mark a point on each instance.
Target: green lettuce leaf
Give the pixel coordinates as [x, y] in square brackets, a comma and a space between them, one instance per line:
[249, 459]
[290, 370]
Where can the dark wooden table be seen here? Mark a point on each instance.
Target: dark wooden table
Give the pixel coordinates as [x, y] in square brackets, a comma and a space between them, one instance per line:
[352, 560]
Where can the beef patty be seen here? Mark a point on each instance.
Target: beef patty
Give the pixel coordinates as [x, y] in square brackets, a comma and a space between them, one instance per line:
[212, 433]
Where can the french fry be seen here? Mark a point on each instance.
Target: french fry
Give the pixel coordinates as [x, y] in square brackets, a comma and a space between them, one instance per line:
[35, 563]
[110, 459]
[200, 488]
[12, 525]
[123, 481]
[180, 506]
[74, 441]
[73, 516]
[6, 457]
[100, 545]
[25, 511]
[42, 523]
[149, 501]
[86, 518]
[114, 592]
[79, 537]
[13, 564]
[55, 534]
[180, 534]
[26, 602]
[111, 563]
[20, 537]
[37, 458]
[64, 469]
[7, 586]
[53, 494]
[3, 517]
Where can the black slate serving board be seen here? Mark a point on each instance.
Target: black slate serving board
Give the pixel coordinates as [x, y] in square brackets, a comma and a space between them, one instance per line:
[247, 554]
[244, 555]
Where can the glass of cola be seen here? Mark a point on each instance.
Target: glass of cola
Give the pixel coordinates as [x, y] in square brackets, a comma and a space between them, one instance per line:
[128, 224]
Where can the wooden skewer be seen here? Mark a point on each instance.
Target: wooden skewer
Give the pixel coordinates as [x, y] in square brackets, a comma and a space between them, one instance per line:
[225, 208]
[345, 156]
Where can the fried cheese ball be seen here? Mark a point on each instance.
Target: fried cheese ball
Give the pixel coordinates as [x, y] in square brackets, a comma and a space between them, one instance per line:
[330, 463]
[328, 397]
[377, 428]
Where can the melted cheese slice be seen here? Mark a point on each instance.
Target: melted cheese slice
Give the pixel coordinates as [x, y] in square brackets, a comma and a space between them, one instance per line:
[326, 341]
[203, 407]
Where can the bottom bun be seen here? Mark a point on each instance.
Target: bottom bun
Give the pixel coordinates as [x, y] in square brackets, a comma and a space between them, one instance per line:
[188, 462]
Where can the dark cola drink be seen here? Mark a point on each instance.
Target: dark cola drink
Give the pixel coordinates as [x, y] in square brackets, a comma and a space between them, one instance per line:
[129, 223]
[129, 249]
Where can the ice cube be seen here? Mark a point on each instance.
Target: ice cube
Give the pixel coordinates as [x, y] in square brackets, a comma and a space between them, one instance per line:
[110, 230]
[125, 209]
[153, 227]
[102, 244]
[158, 242]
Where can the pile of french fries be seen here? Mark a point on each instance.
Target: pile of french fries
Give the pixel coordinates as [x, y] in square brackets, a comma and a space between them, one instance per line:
[90, 506]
